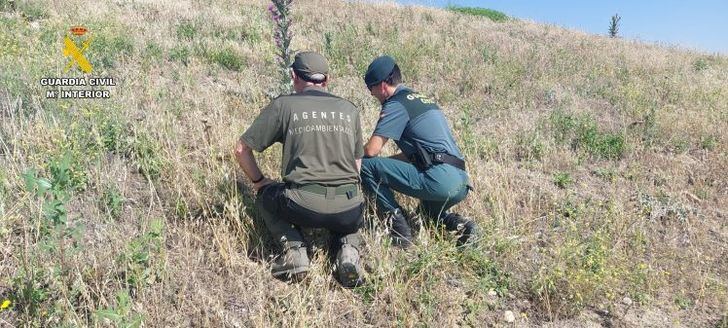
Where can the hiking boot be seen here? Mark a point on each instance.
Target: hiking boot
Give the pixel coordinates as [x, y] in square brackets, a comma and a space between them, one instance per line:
[399, 229]
[464, 228]
[293, 264]
[348, 267]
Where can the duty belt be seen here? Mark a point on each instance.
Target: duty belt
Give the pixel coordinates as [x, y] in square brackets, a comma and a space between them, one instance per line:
[348, 190]
[448, 159]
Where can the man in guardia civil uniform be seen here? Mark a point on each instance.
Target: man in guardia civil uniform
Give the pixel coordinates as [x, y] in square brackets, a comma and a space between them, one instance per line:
[430, 166]
[322, 151]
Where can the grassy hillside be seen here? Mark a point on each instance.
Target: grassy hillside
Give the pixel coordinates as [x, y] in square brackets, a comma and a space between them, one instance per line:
[598, 164]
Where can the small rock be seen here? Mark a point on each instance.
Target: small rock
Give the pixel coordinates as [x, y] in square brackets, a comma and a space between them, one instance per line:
[492, 293]
[627, 301]
[509, 317]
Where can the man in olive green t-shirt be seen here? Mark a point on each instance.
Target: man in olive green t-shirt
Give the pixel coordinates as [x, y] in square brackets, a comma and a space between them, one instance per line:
[322, 150]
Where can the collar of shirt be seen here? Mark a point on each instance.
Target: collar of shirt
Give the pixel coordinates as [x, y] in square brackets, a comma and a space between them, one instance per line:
[399, 89]
[314, 88]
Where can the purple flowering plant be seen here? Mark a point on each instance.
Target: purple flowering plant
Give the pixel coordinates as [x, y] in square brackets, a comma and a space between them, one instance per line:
[280, 11]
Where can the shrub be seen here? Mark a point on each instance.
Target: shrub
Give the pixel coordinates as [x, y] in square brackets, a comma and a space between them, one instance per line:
[186, 31]
[181, 54]
[489, 275]
[139, 259]
[607, 174]
[708, 142]
[111, 131]
[111, 201]
[30, 292]
[152, 51]
[491, 14]
[144, 151]
[227, 58]
[121, 315]
[529, 146]
[562, 179]
[683, 301]
[579, 274]
[700, 64]
[582, 134]
[602, 144]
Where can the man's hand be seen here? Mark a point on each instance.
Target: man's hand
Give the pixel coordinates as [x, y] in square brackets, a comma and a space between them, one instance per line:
[262, 183]
[246, 160]
[374, 146]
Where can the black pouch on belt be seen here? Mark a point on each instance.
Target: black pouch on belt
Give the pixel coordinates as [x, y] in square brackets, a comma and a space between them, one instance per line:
[421, 158]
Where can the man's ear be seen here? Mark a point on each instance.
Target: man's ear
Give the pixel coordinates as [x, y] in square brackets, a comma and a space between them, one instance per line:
[293, 74]
[383, 89]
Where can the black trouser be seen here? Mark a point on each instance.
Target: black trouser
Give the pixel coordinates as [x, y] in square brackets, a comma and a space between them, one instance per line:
[280, 212]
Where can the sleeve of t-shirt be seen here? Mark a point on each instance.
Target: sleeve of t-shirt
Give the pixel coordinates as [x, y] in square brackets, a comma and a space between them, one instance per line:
[359, 146]
[392, 121]
[265, 130]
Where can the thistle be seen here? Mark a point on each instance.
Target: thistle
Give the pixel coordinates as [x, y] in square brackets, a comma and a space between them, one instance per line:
[280, 11]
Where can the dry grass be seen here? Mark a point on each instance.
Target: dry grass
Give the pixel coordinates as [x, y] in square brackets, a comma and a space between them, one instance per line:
[599, 169]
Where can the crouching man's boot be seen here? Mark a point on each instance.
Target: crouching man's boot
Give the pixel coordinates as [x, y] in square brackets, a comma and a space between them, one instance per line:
[464, 228]
[293, 263]
[399, 229]
[348, 263]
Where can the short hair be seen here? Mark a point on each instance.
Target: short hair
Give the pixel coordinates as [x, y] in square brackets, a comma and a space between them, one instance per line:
[313, 78]
[395, 77]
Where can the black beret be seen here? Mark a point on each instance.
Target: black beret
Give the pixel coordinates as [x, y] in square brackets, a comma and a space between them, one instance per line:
[379, 70]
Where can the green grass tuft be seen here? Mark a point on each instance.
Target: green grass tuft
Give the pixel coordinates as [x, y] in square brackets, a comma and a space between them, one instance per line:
[108, 47]
[186, 31]
[563, 180]
[32, 11]
[180, 54]
[582, 133]
[491, 14]
[227, 58]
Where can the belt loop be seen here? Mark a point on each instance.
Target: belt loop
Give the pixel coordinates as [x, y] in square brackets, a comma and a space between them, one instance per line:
[330, 193]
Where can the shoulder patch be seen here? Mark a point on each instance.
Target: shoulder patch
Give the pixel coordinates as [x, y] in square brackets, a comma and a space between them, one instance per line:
[414, 103]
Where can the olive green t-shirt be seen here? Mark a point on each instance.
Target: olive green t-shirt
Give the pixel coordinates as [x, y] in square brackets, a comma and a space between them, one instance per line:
[321, 137]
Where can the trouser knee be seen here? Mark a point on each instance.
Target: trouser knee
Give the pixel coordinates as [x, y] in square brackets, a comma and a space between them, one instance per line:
[369, 173]
[367, 166]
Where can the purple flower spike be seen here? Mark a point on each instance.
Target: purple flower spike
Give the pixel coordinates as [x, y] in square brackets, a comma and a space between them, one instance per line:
[279, 11]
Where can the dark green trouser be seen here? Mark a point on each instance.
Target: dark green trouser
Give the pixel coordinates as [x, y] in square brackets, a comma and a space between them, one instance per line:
[285, 210]
[438, 188]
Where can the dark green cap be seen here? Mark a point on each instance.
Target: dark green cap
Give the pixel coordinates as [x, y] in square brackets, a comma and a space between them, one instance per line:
[311, 64]
[379, 70]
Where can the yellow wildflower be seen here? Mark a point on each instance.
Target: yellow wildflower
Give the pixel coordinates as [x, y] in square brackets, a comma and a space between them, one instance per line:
[5, 305]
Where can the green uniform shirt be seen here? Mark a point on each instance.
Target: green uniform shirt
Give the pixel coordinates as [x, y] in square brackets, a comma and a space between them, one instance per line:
[321, 137]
